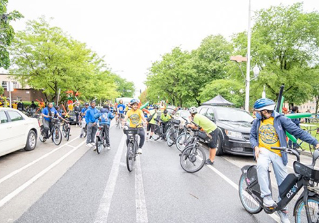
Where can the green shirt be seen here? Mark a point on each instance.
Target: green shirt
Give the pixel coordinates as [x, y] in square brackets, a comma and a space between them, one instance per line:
[165, 118]
[205, 123]
[154, 117]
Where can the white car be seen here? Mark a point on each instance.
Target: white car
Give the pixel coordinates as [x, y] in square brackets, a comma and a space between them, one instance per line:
[180, 115]
[17, 131]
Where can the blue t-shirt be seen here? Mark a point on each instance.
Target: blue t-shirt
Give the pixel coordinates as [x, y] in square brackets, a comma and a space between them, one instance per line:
[121, 108]
[84, 110]
[46, 112]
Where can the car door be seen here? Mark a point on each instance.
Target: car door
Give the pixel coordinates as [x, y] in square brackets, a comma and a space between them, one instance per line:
[6, 132]
[19, 128]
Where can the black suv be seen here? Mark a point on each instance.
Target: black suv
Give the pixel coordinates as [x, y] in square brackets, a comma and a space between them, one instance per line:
[234, 129]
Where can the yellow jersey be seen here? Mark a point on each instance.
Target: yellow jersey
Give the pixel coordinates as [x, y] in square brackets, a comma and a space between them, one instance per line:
[135, 117]
[268, 136]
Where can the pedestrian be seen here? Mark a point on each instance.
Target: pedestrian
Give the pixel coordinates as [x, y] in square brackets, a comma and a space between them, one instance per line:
[20, 106]
[210, 128]
[105, 118]
[83, 124]
[48, 113]
[151, 123]
[294, 110]
[15, 105]
[269, 130]
[165, 117]
[91, 124]
[77, 111]
[285, 111]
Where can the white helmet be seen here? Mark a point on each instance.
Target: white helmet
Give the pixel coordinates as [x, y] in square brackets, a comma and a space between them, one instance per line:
[193, 110]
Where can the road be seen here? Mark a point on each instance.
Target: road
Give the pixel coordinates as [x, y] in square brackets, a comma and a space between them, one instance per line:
[72, 183]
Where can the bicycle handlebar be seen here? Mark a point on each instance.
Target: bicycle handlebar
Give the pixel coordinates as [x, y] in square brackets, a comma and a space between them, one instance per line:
[289, 150]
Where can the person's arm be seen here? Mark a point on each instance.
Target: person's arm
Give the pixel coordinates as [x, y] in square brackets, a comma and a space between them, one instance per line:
[253, 139]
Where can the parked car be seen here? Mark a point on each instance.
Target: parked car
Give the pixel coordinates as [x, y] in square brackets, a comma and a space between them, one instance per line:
[17, 131]
[72, 118]
[234, 125]
[180, 114]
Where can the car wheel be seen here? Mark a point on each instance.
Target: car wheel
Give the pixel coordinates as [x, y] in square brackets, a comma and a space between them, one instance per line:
[219, 149]
[31, 141]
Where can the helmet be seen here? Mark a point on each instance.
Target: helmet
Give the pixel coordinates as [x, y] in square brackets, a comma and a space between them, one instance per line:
[165, 111]
[264, 104]
[155, 107]
[193, 110]
[134, 101]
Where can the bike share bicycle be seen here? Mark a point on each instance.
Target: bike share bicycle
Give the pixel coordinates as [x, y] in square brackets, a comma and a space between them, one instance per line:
[173, 132]
[193, 157]
[100, 138]
[132, 146]
[306, 177]
[66, 130]
[54, 132]
[184, 137]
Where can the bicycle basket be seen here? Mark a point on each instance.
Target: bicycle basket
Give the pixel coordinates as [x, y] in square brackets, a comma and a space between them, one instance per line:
[306, 171]
[130, 131]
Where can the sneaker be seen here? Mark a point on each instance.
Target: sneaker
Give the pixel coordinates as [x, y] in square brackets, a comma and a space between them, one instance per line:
[139, 151]
[94, 149]
[89, 145]
[108, 148]
[283, 214]
[268, 201]
[92, 144]
[209, 162]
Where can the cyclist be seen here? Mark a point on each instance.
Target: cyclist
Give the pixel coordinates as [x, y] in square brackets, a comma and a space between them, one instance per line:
[165, 117]
[91, 122]
[269, 130]
[86, 106]
[151, 124]
[120, 110]
[77, 111]
[48, 113]
[210, 128]
[105, 117]
[136, 118]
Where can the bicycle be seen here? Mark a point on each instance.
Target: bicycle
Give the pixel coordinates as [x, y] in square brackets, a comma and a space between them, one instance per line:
[193, 152]
[100, 139]
[119, 120]
[304, 177]
[173, 132]
[132, 145]
[158, 131]
[66, 130]
[54, 132]
[184, 137]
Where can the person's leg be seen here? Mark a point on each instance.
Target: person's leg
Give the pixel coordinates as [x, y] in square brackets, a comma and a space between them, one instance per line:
[94, 130]
[152, 130]
[148, 128]
[89, 133]
[107, 135]
[76, 119]
[213, 145]
[263, 162]
[46, 126]
[141, 133]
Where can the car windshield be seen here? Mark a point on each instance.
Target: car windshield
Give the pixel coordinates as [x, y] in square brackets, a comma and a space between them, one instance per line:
[184, 114]
[233, 115]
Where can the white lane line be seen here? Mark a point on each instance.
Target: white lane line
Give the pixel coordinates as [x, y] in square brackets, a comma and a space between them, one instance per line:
[71, 146]
[33, 162]
[141, 211]
[36, 177]
[274, 216]
[105, 203]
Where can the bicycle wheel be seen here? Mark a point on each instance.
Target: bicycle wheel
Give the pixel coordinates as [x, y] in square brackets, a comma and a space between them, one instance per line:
[170, 137]
[98, 145]
[156, 136]
[85, 132]
[300, 210]
[57, 136]
[130, 157]
[249, 203]
[192, 159]
[181, 141]
[311, 148]
[68, 134]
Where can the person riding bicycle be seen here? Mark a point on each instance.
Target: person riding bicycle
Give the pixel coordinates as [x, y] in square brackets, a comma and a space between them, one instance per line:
[151, 124]
[120, 110]
[91, 122]
[165, 117]
[48, 113]
[136, 118]
[210, 128]
[269, 130]
[86, 106]
[105, 116]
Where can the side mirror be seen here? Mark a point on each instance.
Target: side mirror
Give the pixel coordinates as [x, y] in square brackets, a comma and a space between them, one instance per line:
[315, 156]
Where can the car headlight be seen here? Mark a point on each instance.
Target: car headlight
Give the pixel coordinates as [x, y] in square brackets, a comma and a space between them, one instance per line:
[232, 134]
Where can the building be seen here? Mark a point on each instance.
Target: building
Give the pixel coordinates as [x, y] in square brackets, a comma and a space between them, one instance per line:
[24, 93]
[309, 105]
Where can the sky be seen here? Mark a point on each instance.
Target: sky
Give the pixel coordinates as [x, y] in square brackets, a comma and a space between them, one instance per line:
[132, 34]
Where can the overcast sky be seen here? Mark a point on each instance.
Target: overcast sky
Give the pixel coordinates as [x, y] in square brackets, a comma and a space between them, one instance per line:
[132, 34]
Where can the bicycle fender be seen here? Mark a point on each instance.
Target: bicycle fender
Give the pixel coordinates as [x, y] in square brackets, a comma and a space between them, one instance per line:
[244, 169]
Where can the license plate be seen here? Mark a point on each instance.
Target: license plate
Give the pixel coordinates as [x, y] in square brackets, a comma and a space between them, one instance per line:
[238, 149]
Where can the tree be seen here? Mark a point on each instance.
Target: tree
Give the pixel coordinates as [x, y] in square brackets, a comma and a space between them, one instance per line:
[1, 90]
[285, 42]
[48, 59]
[231, 90]
[124, 88]
[6, 32]
[143, 97]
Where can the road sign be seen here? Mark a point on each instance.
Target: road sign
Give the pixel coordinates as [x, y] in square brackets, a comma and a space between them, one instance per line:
[10, 86]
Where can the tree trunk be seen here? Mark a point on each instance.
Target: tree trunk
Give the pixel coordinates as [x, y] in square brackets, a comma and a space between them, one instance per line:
[198, 102]
[180, 102]
[317, 104]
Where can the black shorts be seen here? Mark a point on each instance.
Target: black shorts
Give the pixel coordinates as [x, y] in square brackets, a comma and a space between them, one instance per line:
[213, 143]
[150, 127]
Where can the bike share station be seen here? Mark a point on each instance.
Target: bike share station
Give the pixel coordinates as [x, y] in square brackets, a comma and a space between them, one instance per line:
[304, 176]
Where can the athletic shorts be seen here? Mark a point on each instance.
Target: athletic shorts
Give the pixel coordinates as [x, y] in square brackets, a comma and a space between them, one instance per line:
[150, 127]
[213, 142]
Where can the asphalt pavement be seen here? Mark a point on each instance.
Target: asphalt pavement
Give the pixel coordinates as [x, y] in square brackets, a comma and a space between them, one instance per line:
[98, 188]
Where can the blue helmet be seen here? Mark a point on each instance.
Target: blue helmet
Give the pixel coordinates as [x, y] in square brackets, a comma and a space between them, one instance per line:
[134, 101]
[264, 104]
